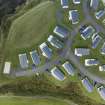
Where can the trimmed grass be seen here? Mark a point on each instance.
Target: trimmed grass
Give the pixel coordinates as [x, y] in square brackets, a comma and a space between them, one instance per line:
[72, 6]
[95, 53]
[92, 13]
[69, 79]
[8, 100]
[30, 30]
[94, 95]
[33, 26]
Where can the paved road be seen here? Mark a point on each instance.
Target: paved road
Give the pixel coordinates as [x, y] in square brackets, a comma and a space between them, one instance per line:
[50, 64]
[67, 53]
[41, 69]
[89, 18]
[82, 68]
[69, 102]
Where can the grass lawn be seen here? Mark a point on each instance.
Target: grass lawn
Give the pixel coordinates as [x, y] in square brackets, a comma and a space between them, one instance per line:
[100, 21]
[75, 79]
[95, 53]
[30, 30]
[94, 95]
[72, 6]
[8, 100]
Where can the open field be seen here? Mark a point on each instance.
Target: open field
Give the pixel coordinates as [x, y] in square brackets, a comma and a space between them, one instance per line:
[92, 13]
[30, 30]
[42, 86]
[77, 81]
[72, 6]
[24, 36]
[32, 27]
[19, 100]
[94, 95]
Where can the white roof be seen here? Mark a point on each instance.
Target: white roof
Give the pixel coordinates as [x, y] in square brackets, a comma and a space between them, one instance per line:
[86, 83]
[101, 91]
[100, 14]
[94, 4]
[23, 60]
[7, 68]
[56, 73]
[87, 32]
[35, 57]
[103, 1]
[46, 51]
[76, 1]
[96, 39]
[82, 51]
[74, 16]
[55, 42]
[69, 68]
[91, 62]
[103, 49]
[61, 31]
[102, 68]
[64, 3]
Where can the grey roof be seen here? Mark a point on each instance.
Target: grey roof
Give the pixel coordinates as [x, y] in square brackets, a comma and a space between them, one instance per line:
[87, 32]
[46, 51]
[55, 42]
[23, 60]
[94, 4]
[96, 40]
[61, 31]
[35, 57]
[103, 49]
[82, 51]
[69, 68]
[74, 16]
[99, 14]
[64, 3]
[57, 74]
[86, 83]
[101, 91]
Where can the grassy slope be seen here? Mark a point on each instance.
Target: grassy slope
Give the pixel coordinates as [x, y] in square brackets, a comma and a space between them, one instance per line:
[30, 101]
[66, 21]
[37, 103]
[32, 26]
[30, 30]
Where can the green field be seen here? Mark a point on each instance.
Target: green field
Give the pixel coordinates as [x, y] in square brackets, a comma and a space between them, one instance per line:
[94, 53]
[30, 30]
[78, 82]
[33, 26]
[8, 100]
[71, 89]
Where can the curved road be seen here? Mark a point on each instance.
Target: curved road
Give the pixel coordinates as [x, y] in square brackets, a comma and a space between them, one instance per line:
[67, 53]
[89, 18]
